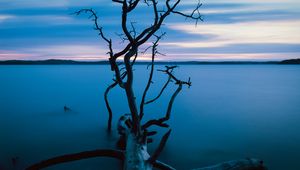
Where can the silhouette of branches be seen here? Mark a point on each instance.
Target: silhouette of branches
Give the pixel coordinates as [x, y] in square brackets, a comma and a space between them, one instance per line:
[195, 15]
[160, 147]
[97, 27]
[77, 156]
[110, 87]
[154, 52]
[129, 53]
[161, 92]
[161, 122]
[118, 154]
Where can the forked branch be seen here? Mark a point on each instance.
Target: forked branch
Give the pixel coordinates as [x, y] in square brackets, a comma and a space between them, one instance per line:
[195, 14]
[99, 28]
[154, 52]
[161, 122]
[110, 87]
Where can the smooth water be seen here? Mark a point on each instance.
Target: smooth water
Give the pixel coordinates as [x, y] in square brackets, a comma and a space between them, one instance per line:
[230, 112]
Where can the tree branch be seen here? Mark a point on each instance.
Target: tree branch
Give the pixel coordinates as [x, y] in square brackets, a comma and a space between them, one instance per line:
[110, 113]
[118, 1]
[97, 27]
[154, 52]
[162, 166]
[112, 59]
[132, 5]
[130, 93]
[195, 15]
[161, 122]
[159, 19]
[125, 10]
[77, 156]
[160, 93]
[115, 67]
[160, 147]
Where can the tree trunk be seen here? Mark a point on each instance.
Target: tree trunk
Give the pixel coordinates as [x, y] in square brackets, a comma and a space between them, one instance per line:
[137, 157]
[136, 154]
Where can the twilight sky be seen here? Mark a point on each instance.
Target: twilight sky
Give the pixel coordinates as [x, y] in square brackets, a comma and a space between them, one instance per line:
[232, 30]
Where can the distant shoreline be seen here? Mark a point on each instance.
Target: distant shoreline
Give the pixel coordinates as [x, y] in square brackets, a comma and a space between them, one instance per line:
[72, 62]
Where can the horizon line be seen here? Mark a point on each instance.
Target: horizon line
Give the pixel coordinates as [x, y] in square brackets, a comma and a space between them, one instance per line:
[104, 62]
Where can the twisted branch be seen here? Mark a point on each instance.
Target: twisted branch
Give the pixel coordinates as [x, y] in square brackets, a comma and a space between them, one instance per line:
[195, 15]
[161, 122]
[94, 17]
[110, 113]
[154, 52]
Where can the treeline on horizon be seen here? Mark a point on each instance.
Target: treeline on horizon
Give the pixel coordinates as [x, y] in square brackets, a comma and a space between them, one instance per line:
[73, 62]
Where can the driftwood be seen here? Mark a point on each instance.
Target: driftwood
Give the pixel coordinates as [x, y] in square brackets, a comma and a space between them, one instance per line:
[136, 157]
[134, 133]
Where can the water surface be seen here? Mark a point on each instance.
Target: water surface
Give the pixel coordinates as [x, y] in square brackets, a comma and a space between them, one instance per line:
[230, 112]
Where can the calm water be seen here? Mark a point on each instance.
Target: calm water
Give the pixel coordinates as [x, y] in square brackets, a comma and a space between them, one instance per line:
[230, 112]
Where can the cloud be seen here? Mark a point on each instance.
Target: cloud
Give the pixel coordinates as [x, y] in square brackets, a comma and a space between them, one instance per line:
[15, 4]
[5, 17]
[224, 56]
[251, 8]
[72, 52]
[240, 33]
[215, 11]
[188, 2]
[252, 1]
[48, 19]
[35, 29]
[42, 20]
[14, 55]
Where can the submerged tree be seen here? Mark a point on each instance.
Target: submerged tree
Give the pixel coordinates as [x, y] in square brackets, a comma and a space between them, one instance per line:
[134, 133]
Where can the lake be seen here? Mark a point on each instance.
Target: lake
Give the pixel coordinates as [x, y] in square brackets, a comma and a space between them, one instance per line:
[230, 112]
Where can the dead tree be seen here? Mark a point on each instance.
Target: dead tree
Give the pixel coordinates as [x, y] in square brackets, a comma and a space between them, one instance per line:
[136, 134]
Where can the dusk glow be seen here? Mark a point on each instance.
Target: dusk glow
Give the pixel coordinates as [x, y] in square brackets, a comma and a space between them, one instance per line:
[232, 30]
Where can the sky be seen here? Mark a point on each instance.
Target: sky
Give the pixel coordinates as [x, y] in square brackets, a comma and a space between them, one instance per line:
[251, 30]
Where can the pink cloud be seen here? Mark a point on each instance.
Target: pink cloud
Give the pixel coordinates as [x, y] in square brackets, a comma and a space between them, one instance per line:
[13, 55]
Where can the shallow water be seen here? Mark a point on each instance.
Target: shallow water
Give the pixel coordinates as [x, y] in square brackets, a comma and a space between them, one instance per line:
[230, 112]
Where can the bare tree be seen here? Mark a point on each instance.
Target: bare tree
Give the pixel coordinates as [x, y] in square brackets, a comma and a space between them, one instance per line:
[132, 130]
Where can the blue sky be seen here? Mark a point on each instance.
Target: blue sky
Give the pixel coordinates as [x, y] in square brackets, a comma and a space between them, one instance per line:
[232, 30]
